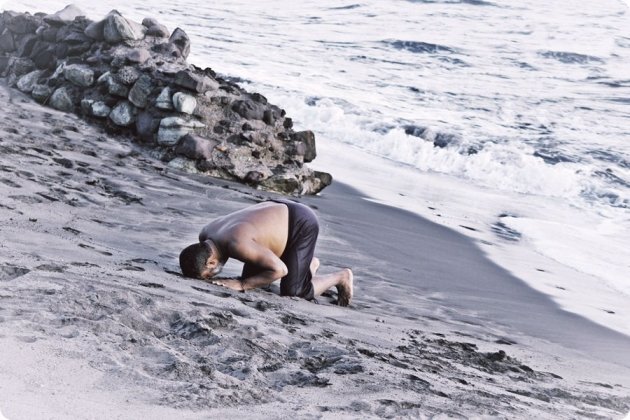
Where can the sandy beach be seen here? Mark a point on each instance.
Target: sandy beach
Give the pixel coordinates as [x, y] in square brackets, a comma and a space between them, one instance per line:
[96, 321]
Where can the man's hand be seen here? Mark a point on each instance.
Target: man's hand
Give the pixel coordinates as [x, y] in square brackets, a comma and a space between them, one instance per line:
[234, 284]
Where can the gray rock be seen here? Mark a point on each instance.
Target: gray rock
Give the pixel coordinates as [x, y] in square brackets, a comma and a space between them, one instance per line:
[63, 16]
[86, 104]
[44, 56]
[268, 117]
[41, 93]
[99, 109]
[163, 101]
[61, 100]
[122, 114]
[48, 34]
[5, 62]
[117, 89]
[181, 40]
[78, 49]
[57, 79]
[324, 178]
[249, 109]
[21, 66]
[167, 49]
[118, 28]
[296, 148]
[314, 182]
[195, 82]
[147, 22]
[174, 128]
[104, 78]
[139, 93]
[25, 44]
[95, 30]
[128, 75]
[58, 74]
[61, 51]
[74, 38]
[284, 183]
[23, 23]
[117, 62]
[79, 75]
[138, 55]
[27, 82]
[307, 138]
[195, 147]
[182, 164]
[7, 44]
[257, 97]
[253, 177]
[5, 16]
[184, 103]
[146, 126]
[158, 31]
[114, 87]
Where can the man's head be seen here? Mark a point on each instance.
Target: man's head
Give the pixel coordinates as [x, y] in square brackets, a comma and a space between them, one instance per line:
[201, 260]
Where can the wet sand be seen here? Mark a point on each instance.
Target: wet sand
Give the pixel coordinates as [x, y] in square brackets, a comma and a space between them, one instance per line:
[95, 319]
[427, 259]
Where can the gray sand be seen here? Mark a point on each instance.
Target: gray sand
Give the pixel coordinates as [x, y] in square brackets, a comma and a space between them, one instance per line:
[95, 321]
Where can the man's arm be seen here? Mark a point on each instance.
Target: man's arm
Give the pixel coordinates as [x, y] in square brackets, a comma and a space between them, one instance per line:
[250, 252]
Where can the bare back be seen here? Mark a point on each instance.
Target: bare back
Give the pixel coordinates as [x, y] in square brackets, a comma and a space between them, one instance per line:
[266, 224]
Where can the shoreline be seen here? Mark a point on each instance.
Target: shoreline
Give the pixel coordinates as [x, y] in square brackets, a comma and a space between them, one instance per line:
[444, 271]
[428, 196]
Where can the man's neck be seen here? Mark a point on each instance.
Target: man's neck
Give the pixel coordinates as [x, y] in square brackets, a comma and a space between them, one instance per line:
[217, 250]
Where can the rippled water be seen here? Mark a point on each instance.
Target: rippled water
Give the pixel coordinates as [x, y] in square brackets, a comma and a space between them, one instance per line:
[530, 97]
[528, 101]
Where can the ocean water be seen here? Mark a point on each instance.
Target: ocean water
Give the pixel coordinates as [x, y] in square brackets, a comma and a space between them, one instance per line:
[506, 120]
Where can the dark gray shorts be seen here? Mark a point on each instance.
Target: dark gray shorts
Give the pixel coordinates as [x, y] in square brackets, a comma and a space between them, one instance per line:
[298, 254]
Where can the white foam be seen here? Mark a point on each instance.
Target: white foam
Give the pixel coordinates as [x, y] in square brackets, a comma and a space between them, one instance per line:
[507, 167]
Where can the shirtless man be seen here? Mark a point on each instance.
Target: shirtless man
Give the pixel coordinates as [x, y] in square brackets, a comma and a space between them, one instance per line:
[276, 240]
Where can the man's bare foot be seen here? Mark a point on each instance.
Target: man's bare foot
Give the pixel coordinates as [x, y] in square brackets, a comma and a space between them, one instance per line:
[345, 288]
[314, 266]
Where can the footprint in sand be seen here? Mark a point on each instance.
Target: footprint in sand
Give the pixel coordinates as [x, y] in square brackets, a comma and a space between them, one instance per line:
[10, 272]
[53, 268]
[10, 183]
[85, 246]
[26, 199]
[152, 285]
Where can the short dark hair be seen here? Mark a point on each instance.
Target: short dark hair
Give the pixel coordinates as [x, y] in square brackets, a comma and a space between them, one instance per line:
[193, 258]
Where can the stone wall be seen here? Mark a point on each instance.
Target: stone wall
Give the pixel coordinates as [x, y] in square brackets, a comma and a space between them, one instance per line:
[134, 79]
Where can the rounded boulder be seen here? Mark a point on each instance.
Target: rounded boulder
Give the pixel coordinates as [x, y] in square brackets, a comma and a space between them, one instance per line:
[185, 103]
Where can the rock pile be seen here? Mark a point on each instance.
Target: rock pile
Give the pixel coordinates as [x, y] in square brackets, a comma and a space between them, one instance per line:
[133, 78]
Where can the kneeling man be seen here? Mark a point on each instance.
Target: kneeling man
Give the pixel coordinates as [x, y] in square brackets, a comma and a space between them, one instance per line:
[276, 240]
